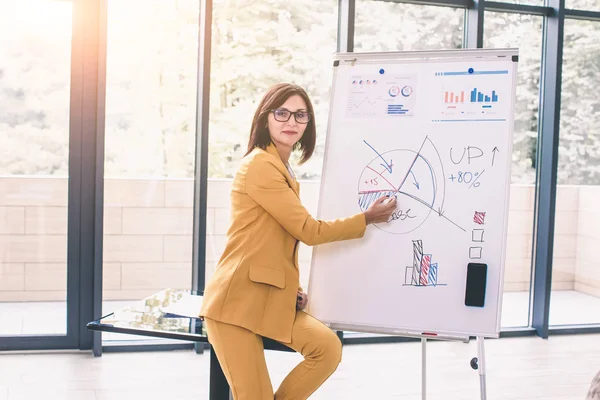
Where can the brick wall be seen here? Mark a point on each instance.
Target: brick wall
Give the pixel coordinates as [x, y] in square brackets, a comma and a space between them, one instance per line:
[148, 236]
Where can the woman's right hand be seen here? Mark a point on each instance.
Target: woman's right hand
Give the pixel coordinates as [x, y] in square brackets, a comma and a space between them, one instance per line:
[380, 210]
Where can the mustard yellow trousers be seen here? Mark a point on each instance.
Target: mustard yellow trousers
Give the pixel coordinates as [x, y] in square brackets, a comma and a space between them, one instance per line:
[241, 356]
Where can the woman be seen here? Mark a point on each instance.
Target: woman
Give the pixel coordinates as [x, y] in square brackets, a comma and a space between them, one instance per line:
[255, 291]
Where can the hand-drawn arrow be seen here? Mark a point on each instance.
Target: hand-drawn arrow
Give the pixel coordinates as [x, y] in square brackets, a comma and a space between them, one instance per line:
[494, 151]
[415, 179]
[440, 212]
[387, 166]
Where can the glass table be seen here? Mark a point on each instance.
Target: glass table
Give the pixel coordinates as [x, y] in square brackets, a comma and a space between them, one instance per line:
[171, 314]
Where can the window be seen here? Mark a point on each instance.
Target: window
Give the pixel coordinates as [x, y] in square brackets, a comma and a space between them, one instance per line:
[525, 2]
[576, 274]
[152, 58]
[524, 32]
[406, 27]
[589, 5]
[35, 74]
[253, 47]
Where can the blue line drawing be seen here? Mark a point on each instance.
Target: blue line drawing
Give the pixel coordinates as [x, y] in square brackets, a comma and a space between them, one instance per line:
[413, 163]
[477, 179]
[433, 274]
[387, 166]
[367, 198]
[415, 179]
[440, 209]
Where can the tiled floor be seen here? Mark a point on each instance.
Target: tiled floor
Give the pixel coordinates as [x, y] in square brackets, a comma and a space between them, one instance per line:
[560, 368]
[566, 308]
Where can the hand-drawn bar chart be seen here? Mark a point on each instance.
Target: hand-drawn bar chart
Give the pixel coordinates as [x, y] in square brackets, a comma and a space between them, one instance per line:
[423, 272]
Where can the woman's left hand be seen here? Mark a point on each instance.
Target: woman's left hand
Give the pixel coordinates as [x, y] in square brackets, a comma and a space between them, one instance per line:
[301, 301]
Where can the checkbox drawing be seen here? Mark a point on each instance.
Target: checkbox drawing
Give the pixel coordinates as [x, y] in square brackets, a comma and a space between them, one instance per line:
[479, 217]
[477, 235]
[475, 253]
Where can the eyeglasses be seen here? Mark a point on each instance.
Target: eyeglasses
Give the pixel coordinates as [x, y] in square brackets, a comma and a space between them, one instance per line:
[283, 115]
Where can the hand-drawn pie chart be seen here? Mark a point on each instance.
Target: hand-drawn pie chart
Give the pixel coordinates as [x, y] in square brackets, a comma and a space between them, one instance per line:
[408, 176]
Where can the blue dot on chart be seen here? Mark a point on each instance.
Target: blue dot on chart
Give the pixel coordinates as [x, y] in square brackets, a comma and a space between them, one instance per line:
[381, 71]
[471, 70]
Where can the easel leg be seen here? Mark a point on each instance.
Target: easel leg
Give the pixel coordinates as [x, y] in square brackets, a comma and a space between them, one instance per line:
[481, 356]
[423, 368]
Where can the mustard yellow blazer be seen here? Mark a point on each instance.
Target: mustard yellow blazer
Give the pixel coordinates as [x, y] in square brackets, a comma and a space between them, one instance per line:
[257, 277]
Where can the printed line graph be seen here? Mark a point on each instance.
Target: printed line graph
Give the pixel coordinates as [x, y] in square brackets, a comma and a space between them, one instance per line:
[420, 184]
[365, 100]
[371, 96]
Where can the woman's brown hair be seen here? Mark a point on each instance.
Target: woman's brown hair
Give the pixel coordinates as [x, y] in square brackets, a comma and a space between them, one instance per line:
[274, 98]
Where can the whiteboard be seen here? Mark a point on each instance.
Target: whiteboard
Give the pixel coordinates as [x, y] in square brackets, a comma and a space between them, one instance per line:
[434, 129]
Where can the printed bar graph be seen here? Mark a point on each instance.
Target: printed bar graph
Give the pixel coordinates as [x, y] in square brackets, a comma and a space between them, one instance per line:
[479, 97]
[452, 97]
[396, 109]
[470, 95]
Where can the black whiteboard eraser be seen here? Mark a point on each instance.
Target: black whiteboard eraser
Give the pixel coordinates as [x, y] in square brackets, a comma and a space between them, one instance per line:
[476, 284]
